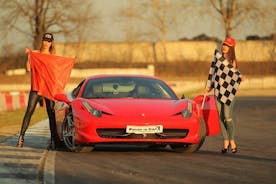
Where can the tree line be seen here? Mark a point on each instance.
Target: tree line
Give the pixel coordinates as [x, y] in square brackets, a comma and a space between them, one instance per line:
[78, 21]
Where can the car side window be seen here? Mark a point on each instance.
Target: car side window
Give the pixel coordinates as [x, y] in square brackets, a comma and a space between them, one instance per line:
[76, 91]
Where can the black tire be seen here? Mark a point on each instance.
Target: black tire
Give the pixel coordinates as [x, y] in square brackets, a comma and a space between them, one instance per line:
[84, 149]
[191, 148]
[68, 132]
[157, 146]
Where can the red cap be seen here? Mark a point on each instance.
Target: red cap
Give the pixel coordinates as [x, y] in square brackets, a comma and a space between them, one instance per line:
[230, 42]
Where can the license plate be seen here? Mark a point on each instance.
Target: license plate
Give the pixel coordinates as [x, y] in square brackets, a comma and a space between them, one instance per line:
[150, 129]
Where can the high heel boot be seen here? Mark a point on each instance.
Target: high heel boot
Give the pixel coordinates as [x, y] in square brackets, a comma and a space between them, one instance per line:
[51, 145]
[20, 141]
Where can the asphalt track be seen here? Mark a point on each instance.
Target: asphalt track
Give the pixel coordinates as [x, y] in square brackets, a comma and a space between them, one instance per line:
[255, 161]
[26, 165]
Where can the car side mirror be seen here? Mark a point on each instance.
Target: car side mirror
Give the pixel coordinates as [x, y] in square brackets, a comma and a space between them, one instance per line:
[62, 97]
[183, 96]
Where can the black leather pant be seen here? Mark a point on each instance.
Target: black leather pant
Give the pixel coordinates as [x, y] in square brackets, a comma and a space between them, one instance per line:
[33, 100]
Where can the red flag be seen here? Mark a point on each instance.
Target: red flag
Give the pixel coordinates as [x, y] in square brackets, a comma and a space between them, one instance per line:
[50, 73]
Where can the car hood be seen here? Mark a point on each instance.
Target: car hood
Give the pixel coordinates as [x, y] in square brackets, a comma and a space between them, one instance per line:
[132, 107]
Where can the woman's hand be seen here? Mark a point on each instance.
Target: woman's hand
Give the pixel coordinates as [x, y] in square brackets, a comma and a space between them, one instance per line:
[28, 67]
[207, 90]
[27, 50]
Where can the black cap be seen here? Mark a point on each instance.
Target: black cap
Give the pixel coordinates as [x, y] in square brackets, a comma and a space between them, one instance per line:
[48, 37]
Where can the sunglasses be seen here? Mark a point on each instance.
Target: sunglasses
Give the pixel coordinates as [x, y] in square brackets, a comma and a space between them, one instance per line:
[47, 40]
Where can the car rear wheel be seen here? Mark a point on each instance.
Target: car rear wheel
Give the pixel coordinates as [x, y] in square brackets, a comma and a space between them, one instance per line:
[68, 132]
[190, 148]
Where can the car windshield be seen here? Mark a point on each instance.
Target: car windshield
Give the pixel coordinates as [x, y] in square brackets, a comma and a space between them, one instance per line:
[127, 87]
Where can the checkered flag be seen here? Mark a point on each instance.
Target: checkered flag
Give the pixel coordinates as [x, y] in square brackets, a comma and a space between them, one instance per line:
[224, 78]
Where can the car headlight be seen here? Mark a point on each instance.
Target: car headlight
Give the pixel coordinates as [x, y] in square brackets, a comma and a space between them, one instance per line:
[94, 112]
[187, 113]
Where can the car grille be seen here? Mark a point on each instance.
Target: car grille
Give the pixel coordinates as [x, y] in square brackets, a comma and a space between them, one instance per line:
[121, 133]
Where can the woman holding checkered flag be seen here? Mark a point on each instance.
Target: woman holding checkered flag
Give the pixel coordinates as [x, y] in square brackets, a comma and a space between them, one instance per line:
[225, 79]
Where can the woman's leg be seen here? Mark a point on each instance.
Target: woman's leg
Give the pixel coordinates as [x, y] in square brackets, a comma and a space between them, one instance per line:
[220, 108]
[52, 122]
[33, 100]
[229, 122]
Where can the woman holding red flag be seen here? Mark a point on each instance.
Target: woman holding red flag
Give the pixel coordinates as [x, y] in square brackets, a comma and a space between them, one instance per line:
[224, 78]
[47, 47]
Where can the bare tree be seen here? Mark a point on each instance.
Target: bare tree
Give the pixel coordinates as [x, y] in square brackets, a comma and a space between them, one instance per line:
[158, 20]
[161, 16]
[128, 14]
[154, 20]
[233, 13]
[34, 17]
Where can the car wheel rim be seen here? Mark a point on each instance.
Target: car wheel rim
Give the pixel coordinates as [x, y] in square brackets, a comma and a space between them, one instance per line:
[69, 132]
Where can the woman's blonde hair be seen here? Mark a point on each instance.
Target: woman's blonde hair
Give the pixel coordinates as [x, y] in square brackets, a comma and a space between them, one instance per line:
[52, 48]
[232, 56]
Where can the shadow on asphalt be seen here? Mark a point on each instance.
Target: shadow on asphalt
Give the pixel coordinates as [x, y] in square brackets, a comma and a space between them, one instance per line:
[31, 141]
[237, 156]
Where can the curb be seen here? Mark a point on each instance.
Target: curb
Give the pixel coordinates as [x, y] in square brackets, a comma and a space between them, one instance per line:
[31, 164]
[13, 100]
[49, 168]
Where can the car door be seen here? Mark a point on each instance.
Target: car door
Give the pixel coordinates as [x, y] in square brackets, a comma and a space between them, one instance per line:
[210, 114]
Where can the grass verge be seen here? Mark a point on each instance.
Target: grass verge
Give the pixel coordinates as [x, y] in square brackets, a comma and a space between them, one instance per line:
[10, 122]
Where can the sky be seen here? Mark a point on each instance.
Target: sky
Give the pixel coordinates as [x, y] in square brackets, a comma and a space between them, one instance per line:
[191, 26]
[200, 24]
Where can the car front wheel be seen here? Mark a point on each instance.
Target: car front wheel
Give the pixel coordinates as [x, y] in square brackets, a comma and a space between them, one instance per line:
[190, 148]
[68, 132]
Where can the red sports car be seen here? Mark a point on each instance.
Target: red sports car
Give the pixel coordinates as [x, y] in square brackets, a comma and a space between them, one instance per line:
[133, 109]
